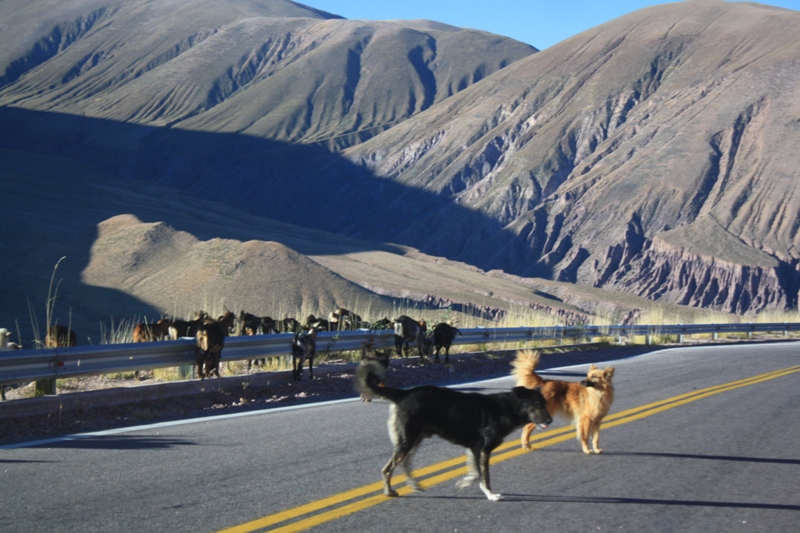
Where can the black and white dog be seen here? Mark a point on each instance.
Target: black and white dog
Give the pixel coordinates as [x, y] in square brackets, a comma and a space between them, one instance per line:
[479, 422]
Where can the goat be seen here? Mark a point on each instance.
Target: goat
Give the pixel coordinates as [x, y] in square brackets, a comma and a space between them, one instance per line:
[253, 325]
[407, 330]
[59, 336]
[186, 328]
[382, 324]
[247, 324]
[229, 320]
[343, 319]
[209, 341]
[319, 323]
[288, 325]
[5, 344]
[443, 336]
[268, 325]
[146, 332]
[304, 347]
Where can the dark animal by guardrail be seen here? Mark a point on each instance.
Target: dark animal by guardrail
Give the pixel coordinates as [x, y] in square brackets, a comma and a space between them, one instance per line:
[408, 330]
[60, 337]
[443, 336]
[186, 328]
[210, 339]
[304, 348]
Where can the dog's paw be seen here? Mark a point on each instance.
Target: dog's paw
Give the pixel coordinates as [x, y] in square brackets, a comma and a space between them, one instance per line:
[495, 497]
[391, 493]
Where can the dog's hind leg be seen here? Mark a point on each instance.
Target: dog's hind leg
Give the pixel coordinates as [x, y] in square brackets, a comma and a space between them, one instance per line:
[405, 464]
[387, 476]
[404, 439]
[399, 458]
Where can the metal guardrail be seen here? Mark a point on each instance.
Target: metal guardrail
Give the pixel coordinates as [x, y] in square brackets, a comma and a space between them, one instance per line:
[38, 365]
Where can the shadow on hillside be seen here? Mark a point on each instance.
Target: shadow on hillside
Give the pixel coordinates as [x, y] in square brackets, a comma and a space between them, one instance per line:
[305, 185]
[302, 184]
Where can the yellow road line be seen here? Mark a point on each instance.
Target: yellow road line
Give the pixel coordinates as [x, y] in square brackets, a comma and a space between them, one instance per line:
[366, 496]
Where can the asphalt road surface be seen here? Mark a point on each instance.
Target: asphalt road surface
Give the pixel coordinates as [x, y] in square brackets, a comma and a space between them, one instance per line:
[698, 439]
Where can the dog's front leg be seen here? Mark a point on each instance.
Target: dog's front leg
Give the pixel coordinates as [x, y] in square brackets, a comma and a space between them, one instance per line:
[583, 430]
[596, 437]
[526, 435]
[493, 496]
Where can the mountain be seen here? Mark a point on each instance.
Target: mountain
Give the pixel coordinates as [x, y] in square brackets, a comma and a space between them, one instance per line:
[652, 156]
[270, 69]
[655, 154]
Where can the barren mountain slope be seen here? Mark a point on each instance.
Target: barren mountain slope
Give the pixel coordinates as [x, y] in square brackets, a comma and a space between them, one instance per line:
[276, 69]
[134, 249]
[170, 269]
[654, 154]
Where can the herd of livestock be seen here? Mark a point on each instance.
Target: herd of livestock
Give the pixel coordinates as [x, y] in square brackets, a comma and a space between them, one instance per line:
[210, 333]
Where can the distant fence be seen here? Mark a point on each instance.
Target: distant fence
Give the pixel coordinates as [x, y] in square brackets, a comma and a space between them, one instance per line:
[24, 366]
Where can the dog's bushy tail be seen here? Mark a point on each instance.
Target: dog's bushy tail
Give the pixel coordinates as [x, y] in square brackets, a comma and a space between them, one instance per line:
[369, 377]
[524, 369]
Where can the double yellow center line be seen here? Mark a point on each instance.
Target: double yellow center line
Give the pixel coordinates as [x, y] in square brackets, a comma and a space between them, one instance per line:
[349, 502]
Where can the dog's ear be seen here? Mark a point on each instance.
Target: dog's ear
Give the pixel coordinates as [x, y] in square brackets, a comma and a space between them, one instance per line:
[592, 367]
[609, 372]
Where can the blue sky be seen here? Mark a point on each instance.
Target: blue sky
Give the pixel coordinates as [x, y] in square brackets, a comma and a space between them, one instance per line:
[541, 23]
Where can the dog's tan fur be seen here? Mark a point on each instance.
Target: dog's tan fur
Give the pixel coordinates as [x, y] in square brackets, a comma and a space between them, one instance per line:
[586, 403]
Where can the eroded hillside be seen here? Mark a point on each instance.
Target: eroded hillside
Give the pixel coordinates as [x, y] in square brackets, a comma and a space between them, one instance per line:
[654, 155]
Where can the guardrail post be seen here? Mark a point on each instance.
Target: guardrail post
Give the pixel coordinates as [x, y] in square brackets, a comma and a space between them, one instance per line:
[715, 336]
[46, 387]
[680, 338]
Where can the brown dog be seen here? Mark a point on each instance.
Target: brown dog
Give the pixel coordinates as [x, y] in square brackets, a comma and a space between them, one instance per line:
[586, 403]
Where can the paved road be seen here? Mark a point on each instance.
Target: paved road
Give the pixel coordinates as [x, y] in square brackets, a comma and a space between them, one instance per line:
[693, 443]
